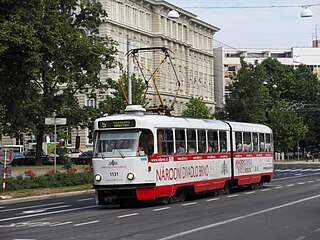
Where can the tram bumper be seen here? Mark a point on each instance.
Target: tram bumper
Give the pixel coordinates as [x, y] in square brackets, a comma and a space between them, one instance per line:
[118, 194]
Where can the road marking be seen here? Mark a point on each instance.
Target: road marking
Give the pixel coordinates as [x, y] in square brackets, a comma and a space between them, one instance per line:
[60, 224]
[290, 185]
[160, 209]
[310, 181]
[304, 175]
[278, 187]
[232, 196]
[190, 203]
[264, 190]
[46, 213]
[317, 230]
[35, 206]
[247, 193]
[128, 215]
[85, 223]
[43, 209]
[300, 238]
[212, 199]
[301, 183]
[85, 199]
[238, 218]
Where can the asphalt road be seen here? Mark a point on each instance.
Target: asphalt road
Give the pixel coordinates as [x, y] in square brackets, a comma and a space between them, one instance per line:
[288, 209]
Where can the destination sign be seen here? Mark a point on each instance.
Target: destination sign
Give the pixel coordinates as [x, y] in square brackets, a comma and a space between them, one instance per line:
[117, 124]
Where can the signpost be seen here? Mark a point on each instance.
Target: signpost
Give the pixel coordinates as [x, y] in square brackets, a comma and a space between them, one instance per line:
[55, 121]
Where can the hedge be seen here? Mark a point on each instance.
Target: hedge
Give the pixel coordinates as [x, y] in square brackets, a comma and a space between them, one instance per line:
[49, 180]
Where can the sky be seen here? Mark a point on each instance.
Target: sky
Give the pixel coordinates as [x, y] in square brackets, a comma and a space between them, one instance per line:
[271, 27]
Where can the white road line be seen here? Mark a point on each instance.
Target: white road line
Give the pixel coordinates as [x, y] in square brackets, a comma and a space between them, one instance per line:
[278, 187]
[238, 218]
[43, 209]
[264, 190]
[35, 206]
[85, 199]
[212, 199]
[301, 183]
[317, 230]
[160, 209]
[304, 175]
[232, 196]
[46, 213]
[128, 215]
[188, 204]
[248, 193]
[310, 181]
[290, 185]
[85, 223]
[300, 238]
[60, 224]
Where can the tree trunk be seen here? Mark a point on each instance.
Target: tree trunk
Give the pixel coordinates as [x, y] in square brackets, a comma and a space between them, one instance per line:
[39, 147]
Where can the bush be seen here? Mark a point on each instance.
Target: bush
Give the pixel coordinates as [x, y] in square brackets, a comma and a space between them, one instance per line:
[49, 180]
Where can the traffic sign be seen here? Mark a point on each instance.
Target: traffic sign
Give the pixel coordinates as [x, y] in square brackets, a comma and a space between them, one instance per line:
[55, 121]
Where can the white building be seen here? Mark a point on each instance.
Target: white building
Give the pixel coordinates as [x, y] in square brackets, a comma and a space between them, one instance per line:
[146, 24]
[227, 63]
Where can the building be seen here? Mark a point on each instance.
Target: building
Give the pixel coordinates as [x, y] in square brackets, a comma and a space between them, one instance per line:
[144, 24]
[227, 64]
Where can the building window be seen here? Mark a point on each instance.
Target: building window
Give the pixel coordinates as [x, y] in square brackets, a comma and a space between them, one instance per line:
[91, 100]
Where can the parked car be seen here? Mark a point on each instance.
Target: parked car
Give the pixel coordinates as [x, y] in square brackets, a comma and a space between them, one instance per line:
[84, 158]
[30, 158]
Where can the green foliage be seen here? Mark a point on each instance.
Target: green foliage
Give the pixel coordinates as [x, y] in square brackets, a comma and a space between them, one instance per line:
[280, 96]
[287, 126]
[50, 50]
[196, 107]
[49, 181]
[116, 103]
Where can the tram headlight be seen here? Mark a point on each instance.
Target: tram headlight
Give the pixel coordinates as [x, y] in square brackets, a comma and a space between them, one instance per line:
[98, 177]
[131, 176]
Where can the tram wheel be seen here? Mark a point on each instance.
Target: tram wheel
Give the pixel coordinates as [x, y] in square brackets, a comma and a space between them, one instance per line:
[182, 195]
[165, 201]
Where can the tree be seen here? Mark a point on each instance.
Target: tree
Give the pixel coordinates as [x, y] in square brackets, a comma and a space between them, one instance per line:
[115, 103]
[196, 107]
[287, 127]
[247, 96]
[50, 50]
[276, 95]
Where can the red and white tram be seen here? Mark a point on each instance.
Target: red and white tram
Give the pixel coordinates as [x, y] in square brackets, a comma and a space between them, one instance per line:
[139, 156]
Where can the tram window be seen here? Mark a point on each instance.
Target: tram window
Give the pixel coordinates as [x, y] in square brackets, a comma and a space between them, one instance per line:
[223, 141]
[180, 141]
[165, 141]
[191, 139]
[268, 142]
[247, 146]
[213, 141]
[262, 143]
[239, 143]
[202, 148]
[255, 142]
[146, 143]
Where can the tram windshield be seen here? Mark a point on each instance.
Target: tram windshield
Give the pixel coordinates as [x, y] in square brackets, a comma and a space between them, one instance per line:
[122, 143]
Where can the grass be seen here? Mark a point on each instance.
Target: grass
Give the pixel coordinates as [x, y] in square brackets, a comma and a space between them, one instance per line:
[45, 168]
[45, 191]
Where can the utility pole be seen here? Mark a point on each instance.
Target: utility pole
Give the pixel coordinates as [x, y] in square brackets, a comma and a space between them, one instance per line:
[128, 73]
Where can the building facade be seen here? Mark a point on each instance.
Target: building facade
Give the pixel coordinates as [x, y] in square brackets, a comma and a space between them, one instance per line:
[227, 64]
[145, 24]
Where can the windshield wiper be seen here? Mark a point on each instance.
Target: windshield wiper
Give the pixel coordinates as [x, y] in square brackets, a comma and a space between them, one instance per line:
[120, 152]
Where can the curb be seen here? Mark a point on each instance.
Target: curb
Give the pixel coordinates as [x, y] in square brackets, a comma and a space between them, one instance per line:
[5, 200]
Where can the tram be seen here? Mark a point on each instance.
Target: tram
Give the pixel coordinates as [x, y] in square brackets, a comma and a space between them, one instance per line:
[142, 157]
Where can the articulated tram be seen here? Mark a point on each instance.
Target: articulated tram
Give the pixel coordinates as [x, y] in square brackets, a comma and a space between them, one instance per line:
[142, 157]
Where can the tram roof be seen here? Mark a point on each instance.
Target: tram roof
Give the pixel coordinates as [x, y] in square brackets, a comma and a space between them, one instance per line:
[163, 121]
